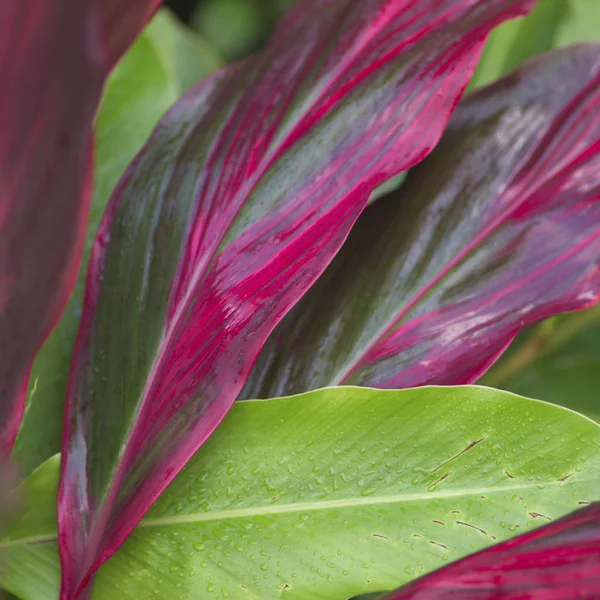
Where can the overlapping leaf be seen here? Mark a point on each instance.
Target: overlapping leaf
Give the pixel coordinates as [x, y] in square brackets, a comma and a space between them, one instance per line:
[333, 493]
[50, 77]
[145, 83]
[500, 227]
[54, 56]
[561, 561]
[244, 193]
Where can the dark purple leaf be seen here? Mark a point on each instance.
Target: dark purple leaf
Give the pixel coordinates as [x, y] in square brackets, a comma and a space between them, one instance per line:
[122, 21]
[51, 72]
[244, 193]
[54, 57]
[498, 228]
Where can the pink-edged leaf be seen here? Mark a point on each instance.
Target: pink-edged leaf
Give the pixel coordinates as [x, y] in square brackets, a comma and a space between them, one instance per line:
[498, 228]
[122, 21]
[51, 73]
[560, 561]
[242, 196]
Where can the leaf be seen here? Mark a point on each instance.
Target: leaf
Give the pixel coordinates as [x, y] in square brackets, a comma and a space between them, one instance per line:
[242, 196]
[138, 92]
[50, 77]
[301, 492]
[122, 22]
[187, 55]
[500, 227]
[54, 57]
[558, 562]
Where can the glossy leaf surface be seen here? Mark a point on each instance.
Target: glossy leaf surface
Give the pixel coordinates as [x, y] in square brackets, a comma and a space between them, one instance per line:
[299, 498]
[500, 227]
[51, 72]
[150, 77]
[558, 562]
[242, 196]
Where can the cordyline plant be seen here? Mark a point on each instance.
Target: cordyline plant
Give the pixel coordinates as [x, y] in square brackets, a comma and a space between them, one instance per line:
[237, 258]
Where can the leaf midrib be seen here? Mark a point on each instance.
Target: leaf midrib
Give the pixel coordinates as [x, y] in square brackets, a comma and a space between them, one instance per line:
[257, 511]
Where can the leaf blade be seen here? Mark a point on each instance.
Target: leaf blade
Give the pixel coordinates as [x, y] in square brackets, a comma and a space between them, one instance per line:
[558, 562]
[331, 487]
[474, 245]
[137, 93]
[122, 23]
[51, 84]
[241, 245]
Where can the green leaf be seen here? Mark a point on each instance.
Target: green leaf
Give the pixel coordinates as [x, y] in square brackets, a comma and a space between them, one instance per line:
[185, 54]
[553, 23]
[143, 85]
[331, 494]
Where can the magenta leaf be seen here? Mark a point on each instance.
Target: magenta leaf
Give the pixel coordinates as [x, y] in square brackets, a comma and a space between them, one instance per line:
[498, 228]
[241, 198]
[560, 561]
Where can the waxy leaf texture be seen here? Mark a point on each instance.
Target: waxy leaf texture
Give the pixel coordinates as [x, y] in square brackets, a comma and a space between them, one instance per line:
[245, 192]
[498, 228]
[560, 561]
[297, 498]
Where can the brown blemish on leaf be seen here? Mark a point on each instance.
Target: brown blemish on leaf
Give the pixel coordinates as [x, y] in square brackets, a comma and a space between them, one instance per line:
[454, 512]
[440, 523]
[285, 587]
[535, 515]
[472, 527]
[469, 447]
[563, 479]
[432, 486]
[509, 475]
[417, 535]
[438, 544]
[584, 502]
[380, 536]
